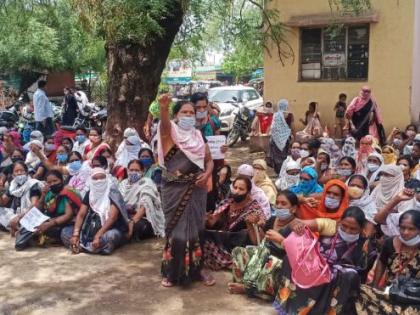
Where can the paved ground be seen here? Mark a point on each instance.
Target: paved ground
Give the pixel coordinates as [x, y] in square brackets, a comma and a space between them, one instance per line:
[53, 281]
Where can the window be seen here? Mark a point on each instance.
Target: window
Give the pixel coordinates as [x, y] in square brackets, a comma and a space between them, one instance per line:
[335, 56]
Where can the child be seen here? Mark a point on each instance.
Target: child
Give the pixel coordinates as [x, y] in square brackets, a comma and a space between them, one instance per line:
[340, 120]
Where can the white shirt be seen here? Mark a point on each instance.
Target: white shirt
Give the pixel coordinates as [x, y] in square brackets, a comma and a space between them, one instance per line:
[42, 106]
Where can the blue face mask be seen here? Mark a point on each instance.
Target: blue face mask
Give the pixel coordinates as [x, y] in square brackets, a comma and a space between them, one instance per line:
[62, 157]
[282, 214]
[134, 177]
[146, 161]
[305, 184]
[80, 138]
[186, 123]
[331, 203]
[75, 166]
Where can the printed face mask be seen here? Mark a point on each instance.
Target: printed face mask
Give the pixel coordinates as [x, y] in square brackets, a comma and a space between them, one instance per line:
[355, 192]
[331, 203]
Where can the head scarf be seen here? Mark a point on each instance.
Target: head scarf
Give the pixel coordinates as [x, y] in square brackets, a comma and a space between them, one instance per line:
[129, 152]
[246, 170]
[280, 130]
[389, 158]
[349, 148]
[305, 212]
[37, 135]
[15, 139]
[376, 173]
[264, 182]
[308, 187]
[388, 187]
[365, 202]
[31, 159]
[190, 142]
[99, 194]
[363, 153]
[286, 180]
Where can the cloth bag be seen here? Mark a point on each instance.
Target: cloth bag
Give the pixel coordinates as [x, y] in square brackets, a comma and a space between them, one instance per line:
[309, 268]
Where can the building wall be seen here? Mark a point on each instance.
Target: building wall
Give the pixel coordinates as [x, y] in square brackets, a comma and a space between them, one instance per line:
[390, 64]
[415, 87]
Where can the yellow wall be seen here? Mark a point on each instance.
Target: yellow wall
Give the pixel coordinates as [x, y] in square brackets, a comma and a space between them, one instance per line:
[390, 62]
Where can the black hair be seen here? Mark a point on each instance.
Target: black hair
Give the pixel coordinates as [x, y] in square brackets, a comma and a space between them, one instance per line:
[98, 130]
[348, 159]
[411, 125]
[313, 104]
[103, 162]
[21, 163]
[82, 129]
[20, 151]
[414, 215]
[408, 158]
[196, 97]
[341, 95]
[355, 213]
[362, 178]
[314, 144]
[229, 171]
[55, 173]
[42, 84]
[76, 154]
[135, 161]
[247, 181]
[416, 144]
[148, 150]
[413, 184]
[327, 155]
[106, 150]
[291, 196]
[179, 105]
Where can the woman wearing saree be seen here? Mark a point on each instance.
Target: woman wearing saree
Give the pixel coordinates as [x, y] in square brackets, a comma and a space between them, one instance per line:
[187, 166]
[364, 115]
[96, 146]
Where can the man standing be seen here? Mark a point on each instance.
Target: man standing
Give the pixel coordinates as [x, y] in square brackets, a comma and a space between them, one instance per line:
[43, 110]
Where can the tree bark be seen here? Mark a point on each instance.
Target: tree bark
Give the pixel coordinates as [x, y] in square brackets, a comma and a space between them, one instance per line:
[134, 72]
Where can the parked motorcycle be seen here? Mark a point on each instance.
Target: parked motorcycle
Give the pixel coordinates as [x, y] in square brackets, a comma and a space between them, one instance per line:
[241, 126]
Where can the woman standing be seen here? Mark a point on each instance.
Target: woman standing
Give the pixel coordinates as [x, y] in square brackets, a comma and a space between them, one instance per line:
[69, 108]
[187, 167]
[364, 115]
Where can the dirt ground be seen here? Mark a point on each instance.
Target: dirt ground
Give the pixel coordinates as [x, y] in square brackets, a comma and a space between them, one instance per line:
[53, 281]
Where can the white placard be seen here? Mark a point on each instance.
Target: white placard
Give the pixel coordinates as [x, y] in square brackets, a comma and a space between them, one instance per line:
[6, 215]
[32, 219]
[215, 144]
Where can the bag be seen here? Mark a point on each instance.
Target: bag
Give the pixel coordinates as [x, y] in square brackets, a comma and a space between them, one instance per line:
[309, 268]
[90, 227]
[405, 290]
[23, 238]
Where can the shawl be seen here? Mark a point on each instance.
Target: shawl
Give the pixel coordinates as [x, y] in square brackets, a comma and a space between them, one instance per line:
[286, 181]
[79, 180]
[72, 195]
[144, 193]
[23, 192]
[128, 152]
[190, 142]
[280, 130]
[359, 102]
[376, 173]
[349, 148]
[365, 202]
[31, 159]
[308, 187]
[306, 212]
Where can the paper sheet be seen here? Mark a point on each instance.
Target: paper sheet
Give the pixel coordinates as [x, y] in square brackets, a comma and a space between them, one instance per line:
[215, 143]
[6, 215]
[32, 219]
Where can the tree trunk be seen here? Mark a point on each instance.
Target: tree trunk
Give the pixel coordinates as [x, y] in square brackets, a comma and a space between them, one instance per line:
[134, 72]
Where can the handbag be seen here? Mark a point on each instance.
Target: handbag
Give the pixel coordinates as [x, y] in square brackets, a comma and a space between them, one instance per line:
[90, 227]
[405, 290]
[309, 267]
[23, 238]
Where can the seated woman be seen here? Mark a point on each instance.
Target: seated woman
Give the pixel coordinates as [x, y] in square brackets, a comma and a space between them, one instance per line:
[223, 183]
[373, 169]
[400, 257]
[290, 177]
[389, 155]
[143, 204]
[231, 225]
[262, 180]
[101, 221]
[130, 150]
[407, 165]
[254, 271]
[359, 194]
[96, 145]
[22, 195]
[349, 256]
[345, 168]
[334, 200]
[308, 184]
[60, 203]
[322, 166]
[151, 169]
[6, 173]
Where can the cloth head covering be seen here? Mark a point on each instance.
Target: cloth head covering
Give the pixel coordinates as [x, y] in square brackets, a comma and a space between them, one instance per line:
[129, 152]
[305, 212]
[15, 138]
[389, 158]
[280, 130]
[376, 173]
[363, 153]
[129, 132]
[260, 162]
[388, 186]
[3, 130]
[37, 135]
[308, 187]
[286, 180]
[99, 194]
[246, 170]
[31, 159]
[349, 148]
[190, 142]
[365, 202]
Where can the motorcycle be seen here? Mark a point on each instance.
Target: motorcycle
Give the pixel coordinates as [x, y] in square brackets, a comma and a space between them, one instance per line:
[99, 118]
[241, 126]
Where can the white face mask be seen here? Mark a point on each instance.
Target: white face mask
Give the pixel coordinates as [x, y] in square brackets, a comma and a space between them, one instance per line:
[411, 242]
[304, 153]
[186, 122]
[324, 166]
[282, 214]
[372, 167]
[348, 238]
[292, 180]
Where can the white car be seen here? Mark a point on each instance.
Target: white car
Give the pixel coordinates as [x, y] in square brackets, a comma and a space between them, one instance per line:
[230, 98]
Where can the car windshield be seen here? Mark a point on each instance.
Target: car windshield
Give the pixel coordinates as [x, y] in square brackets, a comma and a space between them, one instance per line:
[223, 96]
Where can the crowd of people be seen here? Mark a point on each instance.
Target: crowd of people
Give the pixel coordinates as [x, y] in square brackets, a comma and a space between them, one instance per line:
[354, 204]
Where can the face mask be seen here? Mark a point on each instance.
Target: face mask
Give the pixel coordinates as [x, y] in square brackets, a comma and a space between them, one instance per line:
[304, 153]
[134, 177]
[238, 198]
[331, 203]
[258, 175]
[306, 184]
[186, 123]
[282, 214]
[344, 172]
[50, 147]
[295, 153]
[324, 166]
[397, 142]
[55, 189]
[292, 179]
[21, 179]
[80, 138]
[349, 238]
[62, 157]
[98, 184]
[75, 166]
[146, 161]
[411, 242]
[132, 149]
[355, 192]
[201, 115]
[388, 157]
[372, 167]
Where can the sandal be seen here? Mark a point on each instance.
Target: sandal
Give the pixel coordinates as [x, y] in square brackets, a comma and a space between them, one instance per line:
[166, 284]
[208, 280]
